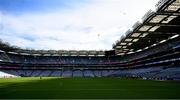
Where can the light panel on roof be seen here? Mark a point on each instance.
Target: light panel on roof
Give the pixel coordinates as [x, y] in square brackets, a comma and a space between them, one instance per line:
[146, 47]
[24, 54]
[177, 1]
[128, 40]
[55, 55]
[46, 55]
[170, 18]
[65, 55]
[91, 55]
[145, 28]
[13, 52]
[73, 52]
[129, 43]
[139, 50]
[157, 18]
[82, 55]
[124, 51]
[154, 28]
[118, 47]
[154, 44]
[162, 41]
[123, 43]
[135, 34]
[130, 52]
[174, 6]
[124, 47]
[144, 34]
[135, 40]
[36, 54]
[174, 36]
[100, 55]
[83, 52]
[121, 54]
[73, 55]
[131, 49]
[2, 51]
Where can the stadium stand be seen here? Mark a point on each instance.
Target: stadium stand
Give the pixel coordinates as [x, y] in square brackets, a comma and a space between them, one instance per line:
[150, 51]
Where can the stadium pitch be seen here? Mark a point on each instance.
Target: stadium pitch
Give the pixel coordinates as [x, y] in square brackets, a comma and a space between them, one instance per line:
[87, 88]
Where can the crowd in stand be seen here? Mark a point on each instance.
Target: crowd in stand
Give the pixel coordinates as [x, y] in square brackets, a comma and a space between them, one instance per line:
[157, 62]
[162, 52]
[152, 73]
[62, 59]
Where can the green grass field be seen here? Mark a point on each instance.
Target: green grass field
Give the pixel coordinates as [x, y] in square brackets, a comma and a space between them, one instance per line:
[87, 88]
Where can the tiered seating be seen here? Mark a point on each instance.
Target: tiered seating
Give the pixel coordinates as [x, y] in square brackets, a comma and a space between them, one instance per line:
[45, 73]
[77, 73]
[56, 73]
[29, 72]
[151, 73]
[88, 73]
[157, 62]
[67, 74]
[168, 73]
[105, 73]
[36, 73]
[60, 59]
[4, 57]
[148, 73]
[97, 73]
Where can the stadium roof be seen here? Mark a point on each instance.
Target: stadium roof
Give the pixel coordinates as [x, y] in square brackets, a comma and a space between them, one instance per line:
[59, 53]
[156, 27]
[5, 47]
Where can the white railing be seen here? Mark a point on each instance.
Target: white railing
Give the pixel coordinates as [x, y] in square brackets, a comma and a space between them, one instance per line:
[128, 32]
[136, 25]
[147, 15]
[161, 3]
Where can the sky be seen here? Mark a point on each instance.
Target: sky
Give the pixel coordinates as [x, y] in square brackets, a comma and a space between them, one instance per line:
[69, 24]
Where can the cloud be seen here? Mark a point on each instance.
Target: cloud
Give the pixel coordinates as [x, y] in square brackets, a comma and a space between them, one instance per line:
[93, 26]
